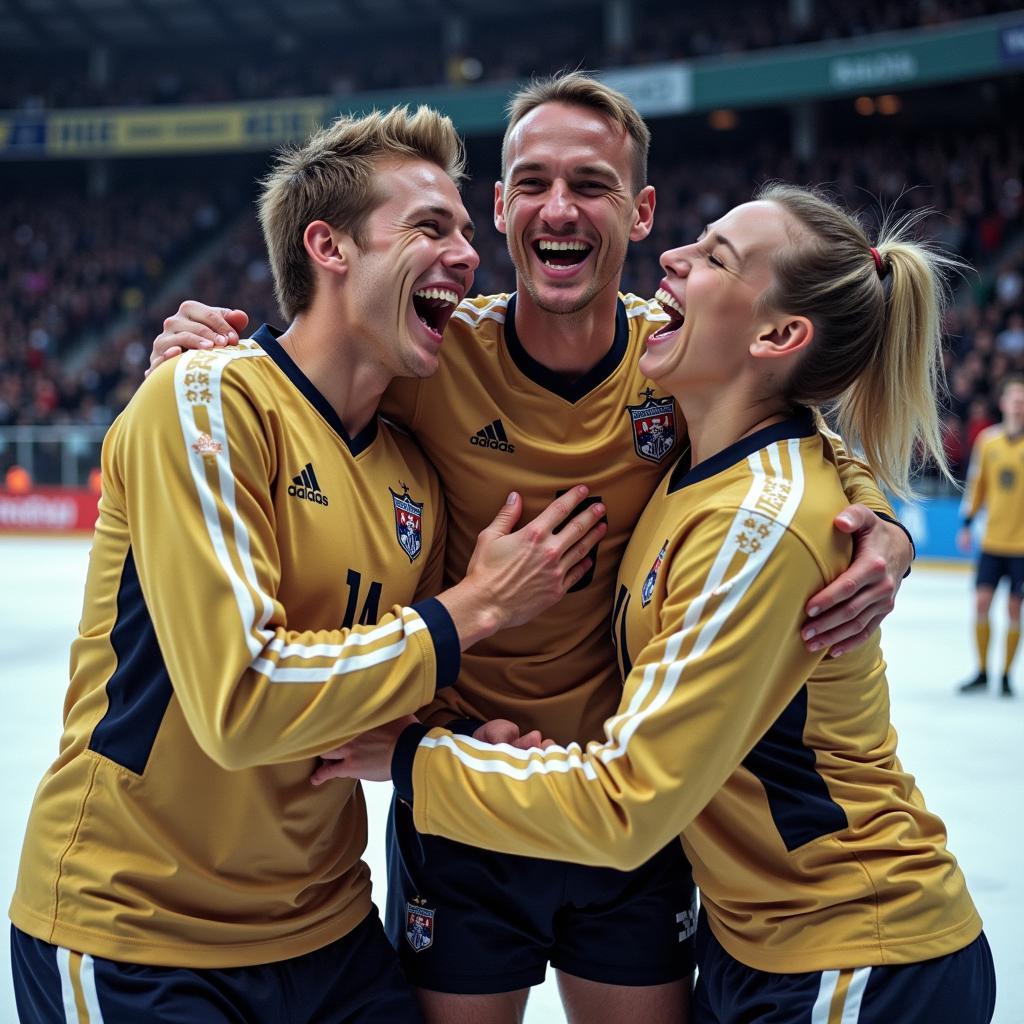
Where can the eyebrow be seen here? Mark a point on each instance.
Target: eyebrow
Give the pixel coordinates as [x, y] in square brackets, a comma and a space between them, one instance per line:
[722, 240]
[598, 170]
[468, 228]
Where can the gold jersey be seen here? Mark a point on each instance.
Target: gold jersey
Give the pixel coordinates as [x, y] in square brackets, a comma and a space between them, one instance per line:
[995, 482]
[811, 846]
[248, 606]
[494, 420]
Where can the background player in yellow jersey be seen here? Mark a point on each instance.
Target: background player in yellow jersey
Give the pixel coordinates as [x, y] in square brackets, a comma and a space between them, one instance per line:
[827, 891]
[253, 595]
[995, 482]
[535, 391]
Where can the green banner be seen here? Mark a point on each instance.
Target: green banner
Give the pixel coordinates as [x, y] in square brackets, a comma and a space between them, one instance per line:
[872, 64]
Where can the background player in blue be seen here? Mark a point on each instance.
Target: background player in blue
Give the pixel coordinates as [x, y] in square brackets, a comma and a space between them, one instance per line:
[828, 894]
[574, 176]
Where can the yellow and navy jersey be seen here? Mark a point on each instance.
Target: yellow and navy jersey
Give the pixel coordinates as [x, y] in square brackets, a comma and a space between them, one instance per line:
[249, 605]
[995, 482]
[494, 420]
[811, 846]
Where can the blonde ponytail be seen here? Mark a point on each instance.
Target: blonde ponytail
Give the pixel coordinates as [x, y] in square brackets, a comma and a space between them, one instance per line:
[876, 360]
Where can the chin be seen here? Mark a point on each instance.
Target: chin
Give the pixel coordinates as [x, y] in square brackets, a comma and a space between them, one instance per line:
[421, 365]
[559, 301]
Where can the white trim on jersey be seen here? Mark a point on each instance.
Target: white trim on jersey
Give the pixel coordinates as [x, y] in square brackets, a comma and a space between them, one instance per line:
[276, 674]
[256, 641]
[671, 667]
[650, 309]
[472, 315]
[259, 639]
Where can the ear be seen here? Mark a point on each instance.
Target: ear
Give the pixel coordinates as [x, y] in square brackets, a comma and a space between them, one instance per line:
[643, 220]
[782, 337]
[499, 206]
[329, 250]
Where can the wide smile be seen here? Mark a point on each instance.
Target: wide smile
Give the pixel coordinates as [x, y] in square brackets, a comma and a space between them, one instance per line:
[433, 308]
[561, 258]
[675, 313]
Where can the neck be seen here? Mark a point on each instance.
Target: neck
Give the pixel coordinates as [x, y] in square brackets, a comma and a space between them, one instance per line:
[720, 417]
[569, 343]
[328, 354]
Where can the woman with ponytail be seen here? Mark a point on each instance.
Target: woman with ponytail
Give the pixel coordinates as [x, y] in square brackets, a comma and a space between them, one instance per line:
[827, 890]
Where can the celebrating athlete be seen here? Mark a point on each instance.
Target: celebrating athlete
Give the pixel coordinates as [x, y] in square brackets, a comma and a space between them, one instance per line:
[260, 587]
[537, 390]
[827, 890]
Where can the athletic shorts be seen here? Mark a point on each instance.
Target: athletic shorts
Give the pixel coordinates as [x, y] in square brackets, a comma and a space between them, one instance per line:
[992, 568]
[471, 921]
[355, 980]
[956, 989]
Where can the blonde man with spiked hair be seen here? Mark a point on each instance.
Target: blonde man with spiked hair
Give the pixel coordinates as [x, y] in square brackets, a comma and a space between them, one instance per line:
[260, 588]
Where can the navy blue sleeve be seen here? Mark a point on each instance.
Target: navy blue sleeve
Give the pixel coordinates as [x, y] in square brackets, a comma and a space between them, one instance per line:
[910, 537]
[464, 726]
[403, 757]
[446, 639]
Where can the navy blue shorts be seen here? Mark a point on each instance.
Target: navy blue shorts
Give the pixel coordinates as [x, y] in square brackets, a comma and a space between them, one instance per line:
[471, 921]
[355, 980]
[992, 568]
[956, 989]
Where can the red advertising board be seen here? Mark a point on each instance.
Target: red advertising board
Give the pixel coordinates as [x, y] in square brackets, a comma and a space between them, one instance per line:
[48, 510]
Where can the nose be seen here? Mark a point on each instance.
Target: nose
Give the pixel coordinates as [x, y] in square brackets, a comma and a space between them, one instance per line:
[461, 255]
[559, 208]
[676, 261]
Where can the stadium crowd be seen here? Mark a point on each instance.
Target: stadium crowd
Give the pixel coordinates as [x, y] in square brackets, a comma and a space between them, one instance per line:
[75, 267]
[416, 53]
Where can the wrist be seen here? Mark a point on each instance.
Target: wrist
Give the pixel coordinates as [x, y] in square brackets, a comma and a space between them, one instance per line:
[473, 612]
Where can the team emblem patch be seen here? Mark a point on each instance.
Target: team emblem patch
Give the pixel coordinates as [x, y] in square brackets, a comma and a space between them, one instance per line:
[654, 426]
[419, 925]
[408, 522]
[647, 591]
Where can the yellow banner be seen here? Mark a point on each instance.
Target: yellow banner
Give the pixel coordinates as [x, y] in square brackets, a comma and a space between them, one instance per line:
[149, 131]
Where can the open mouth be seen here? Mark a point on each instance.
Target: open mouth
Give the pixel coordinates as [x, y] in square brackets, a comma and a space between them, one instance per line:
[675, 313]
[434, 307]
[561, 255]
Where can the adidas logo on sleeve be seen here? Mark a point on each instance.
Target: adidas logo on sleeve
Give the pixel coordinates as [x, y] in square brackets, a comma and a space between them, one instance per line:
[306, 487]
[493, 436]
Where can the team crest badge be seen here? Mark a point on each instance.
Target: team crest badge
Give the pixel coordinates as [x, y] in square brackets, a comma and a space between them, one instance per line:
[419, 924]
[647, 591]
[654, 426]
[408, 522]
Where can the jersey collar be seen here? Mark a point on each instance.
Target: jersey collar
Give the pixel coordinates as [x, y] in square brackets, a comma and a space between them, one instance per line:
[572, 389]
[266, 337]
[801, 424]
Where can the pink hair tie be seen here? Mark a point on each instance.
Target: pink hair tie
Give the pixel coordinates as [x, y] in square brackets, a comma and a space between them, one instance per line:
[879, 266]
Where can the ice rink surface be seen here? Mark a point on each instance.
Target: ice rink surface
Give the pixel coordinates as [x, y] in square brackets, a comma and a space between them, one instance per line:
[967, 753]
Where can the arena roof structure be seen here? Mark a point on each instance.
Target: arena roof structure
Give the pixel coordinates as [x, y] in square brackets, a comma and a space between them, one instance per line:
[84, 24]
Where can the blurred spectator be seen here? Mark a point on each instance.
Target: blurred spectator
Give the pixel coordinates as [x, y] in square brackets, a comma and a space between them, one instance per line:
[74, 267]
[495, 48]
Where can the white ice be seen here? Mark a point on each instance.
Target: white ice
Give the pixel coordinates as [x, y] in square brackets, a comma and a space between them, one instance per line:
[967, 752]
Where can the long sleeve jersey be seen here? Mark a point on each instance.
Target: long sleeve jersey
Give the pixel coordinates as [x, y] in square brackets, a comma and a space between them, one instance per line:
[812, 848]
[493, 420]
[995, 482]
[249, 605]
